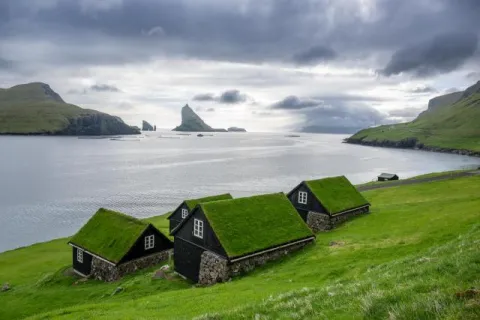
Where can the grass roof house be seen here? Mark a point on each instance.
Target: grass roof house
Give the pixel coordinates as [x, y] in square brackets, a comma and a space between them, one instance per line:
[182, 211]
[112, 244]
[324, 203]
[387, 177]
[224, 238]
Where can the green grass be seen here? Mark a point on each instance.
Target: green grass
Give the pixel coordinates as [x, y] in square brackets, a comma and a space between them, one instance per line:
[336, 194]
[247, 225]
[453, 126]
[405, 260]
[109, 234]
[193, 202]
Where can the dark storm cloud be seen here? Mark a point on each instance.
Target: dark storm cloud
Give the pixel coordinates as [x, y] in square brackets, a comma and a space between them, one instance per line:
[335, 113]
[233, 96]
[315, 55]
[441, 54]
[5, 64]
[104, 88]
[210, 110]
[124, 31]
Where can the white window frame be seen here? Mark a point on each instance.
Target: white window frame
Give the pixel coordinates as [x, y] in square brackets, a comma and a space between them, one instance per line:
[150, 242]
[302, 197]
[80, 255]
[184, 213]
[198, 228]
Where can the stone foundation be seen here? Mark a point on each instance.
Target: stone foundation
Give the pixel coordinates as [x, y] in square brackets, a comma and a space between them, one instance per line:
[214, 268]
[323, 222]
[104, 271]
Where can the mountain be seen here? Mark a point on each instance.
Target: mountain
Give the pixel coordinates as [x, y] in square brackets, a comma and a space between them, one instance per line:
[34, 108]
[146, 126]
[450, 124]
[192, 122]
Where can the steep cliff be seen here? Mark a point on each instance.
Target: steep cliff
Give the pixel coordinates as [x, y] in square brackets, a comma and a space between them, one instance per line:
[192, 122]
[146, 126]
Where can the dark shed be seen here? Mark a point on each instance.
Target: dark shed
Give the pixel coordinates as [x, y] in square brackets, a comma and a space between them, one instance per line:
[184, 209]
[235, 229]
[387, 177]
[115, 239]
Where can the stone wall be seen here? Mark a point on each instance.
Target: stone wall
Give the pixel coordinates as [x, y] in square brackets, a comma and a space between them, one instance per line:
[214, 268]
[323, 222]
[104, 271]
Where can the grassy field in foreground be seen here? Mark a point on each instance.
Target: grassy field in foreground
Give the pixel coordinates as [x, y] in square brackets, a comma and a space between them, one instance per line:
[405, 260]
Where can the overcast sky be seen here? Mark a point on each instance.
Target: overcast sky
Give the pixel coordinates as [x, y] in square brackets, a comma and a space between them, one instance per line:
[266, 65]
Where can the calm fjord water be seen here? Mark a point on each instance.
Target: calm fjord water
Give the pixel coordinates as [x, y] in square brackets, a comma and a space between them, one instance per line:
[50, 186]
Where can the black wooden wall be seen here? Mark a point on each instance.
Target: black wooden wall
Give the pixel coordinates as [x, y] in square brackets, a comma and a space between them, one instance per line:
[85, 267]
[188, 248]
[138, 249]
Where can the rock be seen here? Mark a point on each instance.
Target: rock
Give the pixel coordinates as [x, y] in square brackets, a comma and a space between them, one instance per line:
[117, 291]
[159, 274]
[5, 287]
[236, 129]
[146, 126]
[468, 294]
[192, 122]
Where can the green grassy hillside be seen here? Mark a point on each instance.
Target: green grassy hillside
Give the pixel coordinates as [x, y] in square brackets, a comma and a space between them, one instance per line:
[413, 257]
[450, 126]
[35, 108]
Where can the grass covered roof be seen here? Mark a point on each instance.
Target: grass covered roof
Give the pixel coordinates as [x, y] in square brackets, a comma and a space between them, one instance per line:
[109, 234]
[336, 194]
[193, 202]
[247, 225]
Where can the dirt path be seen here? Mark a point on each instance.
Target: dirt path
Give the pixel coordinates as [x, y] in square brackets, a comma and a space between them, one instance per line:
[420, 180]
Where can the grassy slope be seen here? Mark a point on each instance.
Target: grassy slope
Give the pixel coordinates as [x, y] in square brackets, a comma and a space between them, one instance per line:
[454, 126]
[405, 260]
[26, 108]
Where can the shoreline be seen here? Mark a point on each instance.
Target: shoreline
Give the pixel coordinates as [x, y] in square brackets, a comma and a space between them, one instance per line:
[410, 145]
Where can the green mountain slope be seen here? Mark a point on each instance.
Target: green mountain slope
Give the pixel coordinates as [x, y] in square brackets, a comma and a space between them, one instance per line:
[35, 108]
[413, 257]
[445, 126]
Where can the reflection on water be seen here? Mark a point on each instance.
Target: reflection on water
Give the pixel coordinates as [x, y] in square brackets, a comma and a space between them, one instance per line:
[49, 186]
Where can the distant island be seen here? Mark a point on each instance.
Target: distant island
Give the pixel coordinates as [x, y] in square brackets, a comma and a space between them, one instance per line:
[450, 124]
[148, 127]
[35, 109]
[191, 122]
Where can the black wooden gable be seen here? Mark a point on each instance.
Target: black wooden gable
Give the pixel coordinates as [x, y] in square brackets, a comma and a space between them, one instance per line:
[209, 241]
[176, 216]
[313, 203]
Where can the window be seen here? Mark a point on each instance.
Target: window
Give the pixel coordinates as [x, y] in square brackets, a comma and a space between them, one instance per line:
[149, 242]
[302, 197]
[80, 255]
[198, 228]
[184, 213]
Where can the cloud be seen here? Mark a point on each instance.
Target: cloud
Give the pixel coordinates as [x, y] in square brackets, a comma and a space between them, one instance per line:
[5, 64]
[104, 88]
[315, 55]
[443, 53]
[204, 97]
[473, 76]
[408, 112]
[424, 89]
[233, 96]
[335, 113]
[452, 90]
[155, 31]
[295, 103]
[210, 110]
[125, 106]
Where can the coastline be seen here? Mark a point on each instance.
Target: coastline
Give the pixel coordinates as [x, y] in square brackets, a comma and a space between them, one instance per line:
[410, 144]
